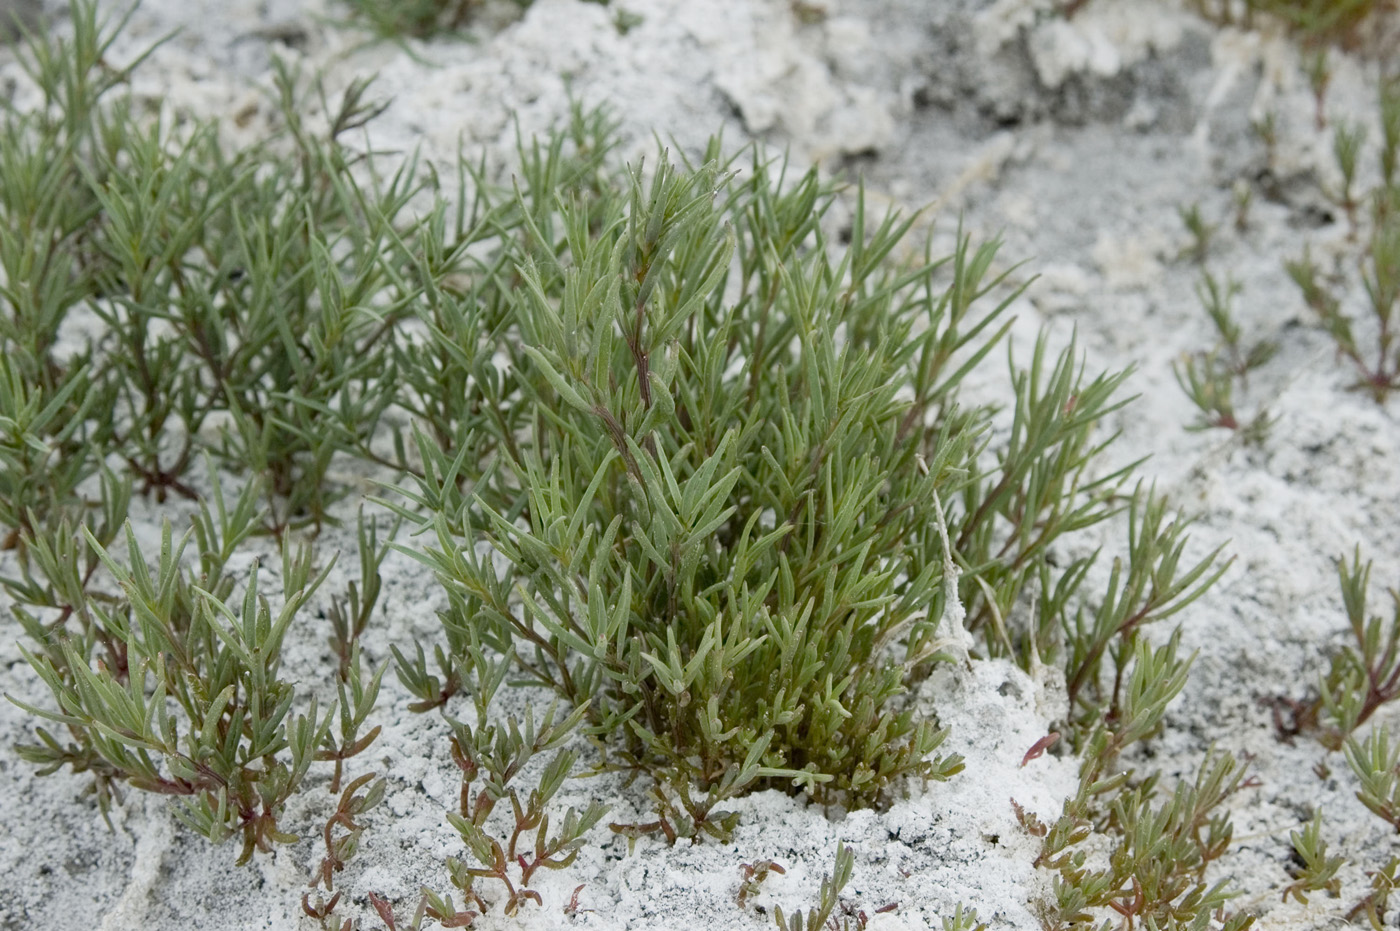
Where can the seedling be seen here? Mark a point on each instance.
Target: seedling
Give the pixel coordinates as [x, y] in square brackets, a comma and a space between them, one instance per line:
[1210, 386]
[1155, 870]
[1200, 230]
[1319, 71]
[1209, 378]
[350, 615]
[1374, 761]
[1243, 195]
[496, 754]
[1374, 905]
[1347, 140]
[340, 848]
[963, 920]
[1366, 674]
[1265, 128]
[1316, 871]
[753, 876]
[1378, 362]
[818, 917]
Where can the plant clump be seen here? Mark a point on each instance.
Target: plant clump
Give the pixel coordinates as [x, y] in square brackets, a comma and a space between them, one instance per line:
[740, 508]
[684, 450]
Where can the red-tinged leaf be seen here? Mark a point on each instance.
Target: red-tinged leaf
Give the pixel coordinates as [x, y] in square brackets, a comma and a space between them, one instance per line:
[385, 910]
[1038, 749]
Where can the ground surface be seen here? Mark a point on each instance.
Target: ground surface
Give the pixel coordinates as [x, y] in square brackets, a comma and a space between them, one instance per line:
[1077, 142]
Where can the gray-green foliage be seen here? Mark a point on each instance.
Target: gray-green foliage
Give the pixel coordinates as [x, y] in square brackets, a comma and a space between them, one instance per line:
[494, 754]
[171, 683]
[1159, 850]
[1365, 674]
[677, 454]
[819, 915]
[726, 510]
[719, 503]
[247, 288]
[698, 499]
[1368, 343]
[1318, 871]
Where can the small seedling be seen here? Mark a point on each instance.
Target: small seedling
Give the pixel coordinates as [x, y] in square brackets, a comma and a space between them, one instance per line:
[752, 877]
[1366, 674]
[1319, 70]
[495, 754]
[1200, 230]
[350, 615]
[572, 909]
[1316, 871]
[1210, 386]
[817, 917]
[1210, 378]
[1376, 764]
[1347, 140]
[1374, 905]
[1155, 870]
[339, 849]
[1377, 363]
[442, 910]
[963, 920]
[1265, 128]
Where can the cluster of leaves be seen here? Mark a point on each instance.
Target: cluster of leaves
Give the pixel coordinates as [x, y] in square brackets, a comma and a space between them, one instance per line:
[1209, 378]
[1376, 764]
[244, 300]
[819, 916]
[1364, 677]
[340, 848]
[1365, 674]
[1316, 871]
[52, 404]
[712, 513]
[496, 754]
[1201, 231]
[1158, 853]
[720, 516]
[171, 683]
[159, 284]
[1376, 359]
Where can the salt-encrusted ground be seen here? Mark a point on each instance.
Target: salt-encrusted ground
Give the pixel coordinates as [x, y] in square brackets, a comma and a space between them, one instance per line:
[1077, 142]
